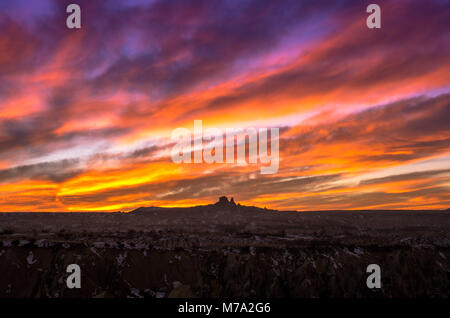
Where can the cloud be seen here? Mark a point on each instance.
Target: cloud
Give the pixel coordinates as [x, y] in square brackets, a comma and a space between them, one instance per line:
[394, 133]
[52, 171]
[87, 114]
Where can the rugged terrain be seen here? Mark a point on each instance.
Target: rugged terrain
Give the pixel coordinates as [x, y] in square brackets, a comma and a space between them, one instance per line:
[225, 250]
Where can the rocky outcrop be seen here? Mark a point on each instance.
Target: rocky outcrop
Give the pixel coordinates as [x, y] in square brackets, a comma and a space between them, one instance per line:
[132, 268]
[224, 203]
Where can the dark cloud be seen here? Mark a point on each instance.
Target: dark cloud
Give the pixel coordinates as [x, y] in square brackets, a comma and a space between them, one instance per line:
[357, 59]
[34, 137]
[58, 171]
[371, 200]
[418, 127]
[407, 176]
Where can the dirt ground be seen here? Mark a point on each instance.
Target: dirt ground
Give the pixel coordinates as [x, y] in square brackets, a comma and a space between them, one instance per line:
[225, 251]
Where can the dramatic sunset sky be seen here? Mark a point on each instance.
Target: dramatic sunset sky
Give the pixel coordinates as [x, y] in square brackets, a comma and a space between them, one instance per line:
[86, 115]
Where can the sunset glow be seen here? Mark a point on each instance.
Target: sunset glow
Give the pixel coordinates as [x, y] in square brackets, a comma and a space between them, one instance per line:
[86, 115]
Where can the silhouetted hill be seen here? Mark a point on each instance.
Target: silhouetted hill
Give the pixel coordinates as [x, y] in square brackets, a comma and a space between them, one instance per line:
[221, 206]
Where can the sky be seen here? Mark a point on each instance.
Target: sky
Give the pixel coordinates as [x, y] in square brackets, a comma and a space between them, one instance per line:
[86, 115]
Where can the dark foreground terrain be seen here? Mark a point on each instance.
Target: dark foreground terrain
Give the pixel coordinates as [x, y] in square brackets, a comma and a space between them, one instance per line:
[224, 250]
